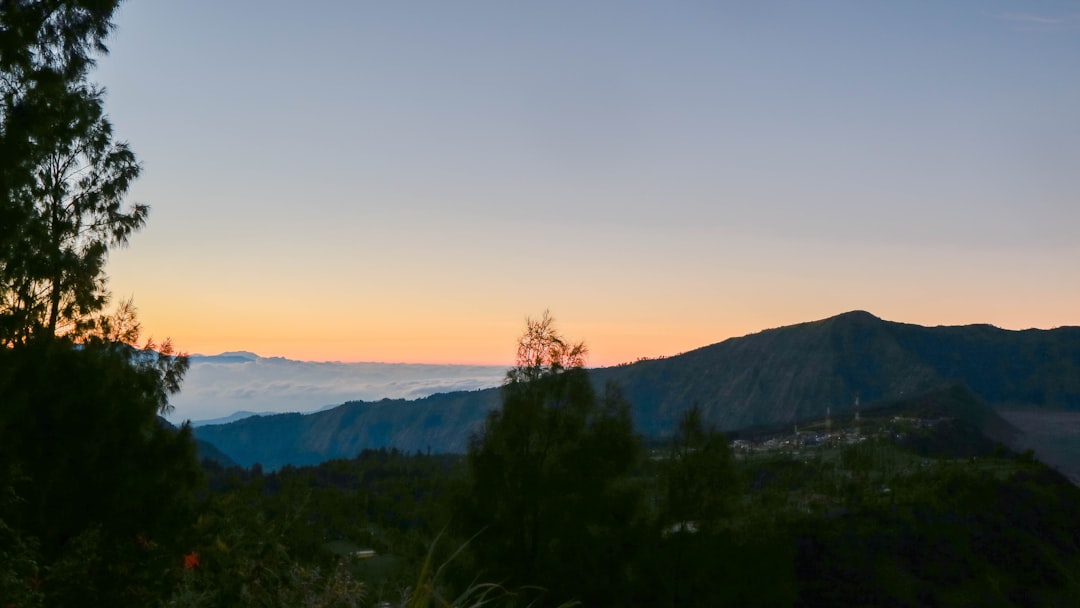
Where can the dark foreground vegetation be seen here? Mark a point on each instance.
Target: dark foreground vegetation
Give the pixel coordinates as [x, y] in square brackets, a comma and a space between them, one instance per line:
[557, 501]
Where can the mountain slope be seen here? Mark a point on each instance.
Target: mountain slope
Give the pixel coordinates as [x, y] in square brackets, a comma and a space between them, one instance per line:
[794, 372]
[777, 375]
[966, 426]
[440, 423]
[774, 376]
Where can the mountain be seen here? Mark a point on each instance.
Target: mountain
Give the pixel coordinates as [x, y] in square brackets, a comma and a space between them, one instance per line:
[964, 424]
[240, 356]
[774, 376]
[784, 374]
[1054, 436]
[204, 450]
[208, 451]
[233, 417]
[439, 423]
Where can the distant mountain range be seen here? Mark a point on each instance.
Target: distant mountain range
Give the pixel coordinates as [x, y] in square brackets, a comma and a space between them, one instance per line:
[204, 449]
[439, 423]
[771, 377]
[240, 356]
[233, 417]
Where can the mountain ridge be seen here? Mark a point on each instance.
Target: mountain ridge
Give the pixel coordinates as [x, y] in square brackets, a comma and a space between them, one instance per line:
[830, 362]
[773, 376]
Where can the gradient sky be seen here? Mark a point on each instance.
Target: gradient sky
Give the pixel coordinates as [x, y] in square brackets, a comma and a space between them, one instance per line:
[407, 181]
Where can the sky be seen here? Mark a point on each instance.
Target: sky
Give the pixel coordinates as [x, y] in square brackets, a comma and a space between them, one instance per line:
[408, 181]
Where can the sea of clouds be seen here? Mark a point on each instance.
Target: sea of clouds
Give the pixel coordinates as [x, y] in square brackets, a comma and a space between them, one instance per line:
[219, 386]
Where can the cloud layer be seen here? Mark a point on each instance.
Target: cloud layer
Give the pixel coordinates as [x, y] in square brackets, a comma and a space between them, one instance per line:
[221, 385]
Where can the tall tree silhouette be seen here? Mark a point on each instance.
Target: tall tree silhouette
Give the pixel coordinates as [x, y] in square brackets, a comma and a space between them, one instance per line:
[697, 478]
[101, 485]
[547, 473]
[63, 176]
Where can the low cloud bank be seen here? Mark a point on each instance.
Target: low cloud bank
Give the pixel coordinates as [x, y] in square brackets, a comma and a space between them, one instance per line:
[219, 386]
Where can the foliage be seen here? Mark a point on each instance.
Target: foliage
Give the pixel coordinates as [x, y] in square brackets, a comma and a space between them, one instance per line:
[104, 486]
[319, 517]
[97, 472]
[698, 478]
[18, 559]
[542, 351]
[956, 537]
[809, 529]
[241, 557]
[548, 476]
[64, 178]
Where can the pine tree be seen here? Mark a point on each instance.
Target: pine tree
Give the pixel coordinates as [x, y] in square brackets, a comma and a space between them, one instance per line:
[102, 485]
[63, 176]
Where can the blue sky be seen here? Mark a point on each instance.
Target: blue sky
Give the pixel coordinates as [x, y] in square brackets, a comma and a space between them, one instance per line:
[407, 181]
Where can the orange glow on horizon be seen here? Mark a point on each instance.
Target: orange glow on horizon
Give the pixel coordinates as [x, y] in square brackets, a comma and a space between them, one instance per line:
[608, 345]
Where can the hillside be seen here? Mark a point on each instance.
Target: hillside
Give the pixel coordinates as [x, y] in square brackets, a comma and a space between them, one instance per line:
[948, 422]
[774, 376]
[784, 374]
[958, 420]
[439, 423]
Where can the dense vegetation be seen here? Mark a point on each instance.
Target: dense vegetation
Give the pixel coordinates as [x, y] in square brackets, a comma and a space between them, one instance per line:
[557, 500]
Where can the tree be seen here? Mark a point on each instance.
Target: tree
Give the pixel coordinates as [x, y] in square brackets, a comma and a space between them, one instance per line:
[697, 478]
[543, 352]
[63, 178]
[548, 475]
[698, 561]
[79, 214]
[103, 484]
[100, 477]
